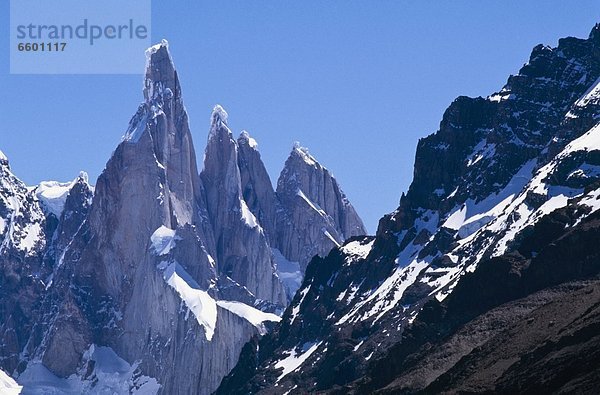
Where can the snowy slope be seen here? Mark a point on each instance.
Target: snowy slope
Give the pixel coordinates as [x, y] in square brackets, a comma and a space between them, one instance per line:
[8, 386]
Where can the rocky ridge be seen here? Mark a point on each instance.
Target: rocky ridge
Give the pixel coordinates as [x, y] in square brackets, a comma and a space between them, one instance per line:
[496, 169]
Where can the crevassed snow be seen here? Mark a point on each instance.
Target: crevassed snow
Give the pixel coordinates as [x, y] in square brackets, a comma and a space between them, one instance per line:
[504, 214]
[295, 359]
[247, 215]
[428, 220]
[163, 240]
[110, 375]
[518, 214]
[199, 302]
[249, 313]
[8, 386]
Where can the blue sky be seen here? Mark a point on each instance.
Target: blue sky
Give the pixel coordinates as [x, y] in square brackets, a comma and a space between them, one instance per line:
[357, 82]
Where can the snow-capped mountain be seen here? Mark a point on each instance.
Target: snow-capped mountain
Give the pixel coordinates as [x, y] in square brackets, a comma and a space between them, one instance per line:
[502, 206]
[154, 279]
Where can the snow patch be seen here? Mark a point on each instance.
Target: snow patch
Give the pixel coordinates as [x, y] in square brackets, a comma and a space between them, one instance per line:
[219, 115]
[110, 375]
[305, 155]
[330, 237]
[250, 314]
[8, 386]
[53, 194]
[387, 295]
[251, 142]
[357, 251]
[310, 203]
[295, 359]
[154, 49]
[589, 141]
[296, 308]
[199, 302]
[137, 126]
[247, 215]
[163, 240]
[591, 95]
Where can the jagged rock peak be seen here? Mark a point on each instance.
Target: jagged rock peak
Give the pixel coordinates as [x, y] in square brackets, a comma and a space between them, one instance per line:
[219, 116]
[3, 159]
[83, 177]
[218, 126]
[246, 139]
[595, 33]
[304, 154]
[53, 194]
[160, 77]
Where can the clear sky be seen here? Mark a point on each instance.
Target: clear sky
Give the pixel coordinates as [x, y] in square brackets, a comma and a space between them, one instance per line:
[357, 82]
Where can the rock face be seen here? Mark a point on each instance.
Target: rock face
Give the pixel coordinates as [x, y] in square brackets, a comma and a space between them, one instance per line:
[22, 242]
[312, 205]
[257, 190]
[242, 249]
[502, 209]
[156, 278]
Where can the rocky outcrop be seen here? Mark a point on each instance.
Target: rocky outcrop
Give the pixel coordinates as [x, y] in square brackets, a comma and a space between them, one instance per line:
[494, 171]
[22, 242]
[37, 224]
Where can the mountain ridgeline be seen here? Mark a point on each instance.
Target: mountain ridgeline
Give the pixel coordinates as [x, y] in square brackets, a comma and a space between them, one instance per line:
[485, 278]
[154, 279]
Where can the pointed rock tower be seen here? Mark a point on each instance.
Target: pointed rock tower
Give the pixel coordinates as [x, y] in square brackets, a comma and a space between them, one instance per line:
[242, 249]
[317, 216]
